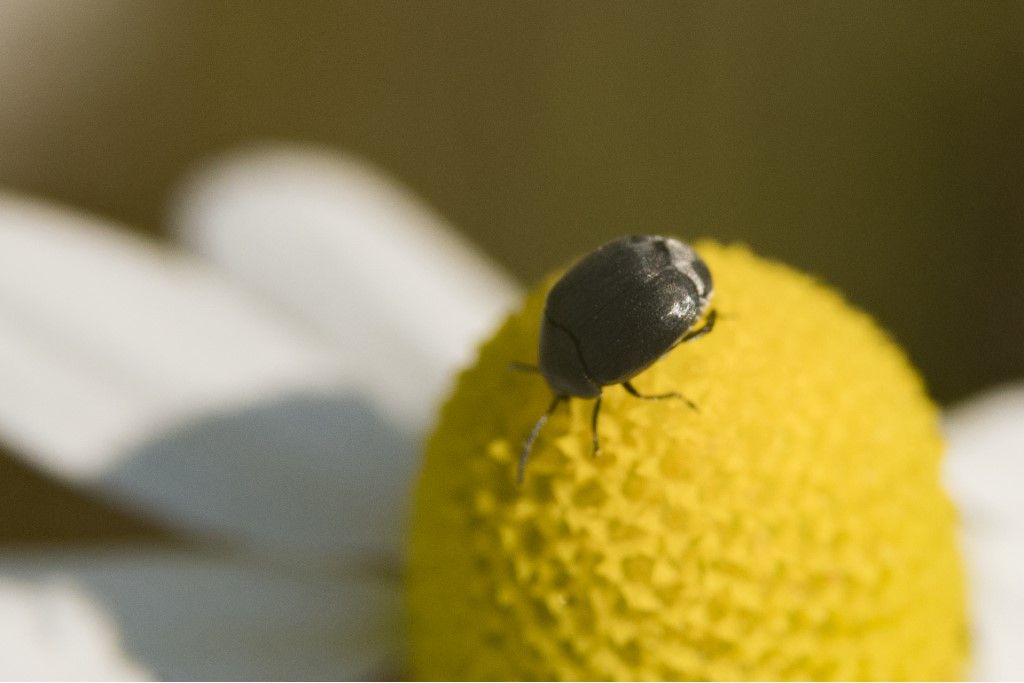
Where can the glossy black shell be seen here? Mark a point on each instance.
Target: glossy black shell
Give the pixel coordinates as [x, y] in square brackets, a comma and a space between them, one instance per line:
[618, 310]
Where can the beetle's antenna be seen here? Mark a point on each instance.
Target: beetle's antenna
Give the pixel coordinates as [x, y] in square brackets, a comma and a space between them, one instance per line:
[528, 444]
[523, 367]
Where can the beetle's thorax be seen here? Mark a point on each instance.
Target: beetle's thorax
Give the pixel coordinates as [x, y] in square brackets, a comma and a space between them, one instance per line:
[561, 362]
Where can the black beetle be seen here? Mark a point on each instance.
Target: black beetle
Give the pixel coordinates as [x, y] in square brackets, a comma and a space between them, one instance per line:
[614, 313]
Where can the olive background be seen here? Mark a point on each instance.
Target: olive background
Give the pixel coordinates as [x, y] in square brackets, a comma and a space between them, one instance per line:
[878, 145]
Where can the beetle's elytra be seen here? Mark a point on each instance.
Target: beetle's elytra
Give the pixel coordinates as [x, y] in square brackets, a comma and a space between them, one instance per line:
[614, 313]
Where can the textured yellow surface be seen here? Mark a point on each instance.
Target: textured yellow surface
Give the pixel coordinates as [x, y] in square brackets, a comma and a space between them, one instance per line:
[794, 528]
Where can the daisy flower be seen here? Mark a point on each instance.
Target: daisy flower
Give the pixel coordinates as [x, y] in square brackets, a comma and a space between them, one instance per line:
[263, 388]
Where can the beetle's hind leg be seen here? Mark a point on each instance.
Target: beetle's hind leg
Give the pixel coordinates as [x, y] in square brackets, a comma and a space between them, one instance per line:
[708, 325]
[524, 455]
[628, 386]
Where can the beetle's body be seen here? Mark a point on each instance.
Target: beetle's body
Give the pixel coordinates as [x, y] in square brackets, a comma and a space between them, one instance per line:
[614, 313]
[618, 310]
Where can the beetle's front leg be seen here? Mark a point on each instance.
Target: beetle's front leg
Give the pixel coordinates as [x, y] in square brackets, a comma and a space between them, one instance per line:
[524, 455]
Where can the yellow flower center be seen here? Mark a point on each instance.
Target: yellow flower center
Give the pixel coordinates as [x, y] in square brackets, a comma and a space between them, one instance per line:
[793, 528]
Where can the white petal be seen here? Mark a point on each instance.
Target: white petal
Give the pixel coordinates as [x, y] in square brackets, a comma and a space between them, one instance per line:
[179, 616]
[348, 252]
[139, 373]
[104, 339]
[52, 629]
[321, 477]
[985, 472]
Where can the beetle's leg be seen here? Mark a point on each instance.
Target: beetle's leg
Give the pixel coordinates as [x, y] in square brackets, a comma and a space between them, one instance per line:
[708, 325]
[523, 367]
[593, 425]
[528, 444]
[657, 397]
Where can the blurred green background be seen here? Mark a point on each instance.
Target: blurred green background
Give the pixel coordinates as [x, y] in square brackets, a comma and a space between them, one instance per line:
[877, 145]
